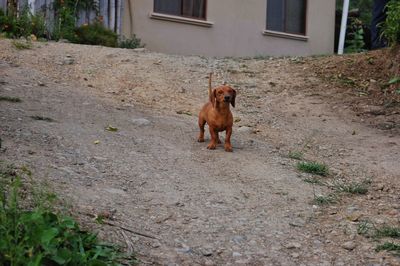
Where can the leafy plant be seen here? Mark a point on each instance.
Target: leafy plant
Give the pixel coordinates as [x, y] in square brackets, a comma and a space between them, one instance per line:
[391, 27]
[388, 231]
[22, 45]
[389, 246]
[130, 43]
[313, 168]
[40, 236]
[324, 200]
[355, 43]
[95, 34]
[23, 25]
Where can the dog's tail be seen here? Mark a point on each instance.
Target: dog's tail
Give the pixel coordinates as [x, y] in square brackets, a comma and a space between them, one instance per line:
[209, 86]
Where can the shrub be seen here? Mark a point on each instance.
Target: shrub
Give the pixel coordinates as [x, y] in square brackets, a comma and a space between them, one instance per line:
[23, 25]
[132, 43]
[95, 34]
[391, 27]
[313, 168]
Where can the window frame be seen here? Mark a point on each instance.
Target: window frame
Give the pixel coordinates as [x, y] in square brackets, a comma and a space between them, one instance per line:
[301, 35]
[189, 17]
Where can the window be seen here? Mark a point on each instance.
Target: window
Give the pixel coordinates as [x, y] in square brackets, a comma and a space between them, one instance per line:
[185, 8]
[287, 16]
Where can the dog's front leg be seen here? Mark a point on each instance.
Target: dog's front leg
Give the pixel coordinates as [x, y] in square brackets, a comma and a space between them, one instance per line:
[214, 139]
[228, 146]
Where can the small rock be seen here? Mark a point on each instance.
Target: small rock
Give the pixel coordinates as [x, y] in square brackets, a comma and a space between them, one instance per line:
[207, 251]
[141, 122]
[141, 50]
[295, 255]
[238, 239]
[244, 129]
[155, 245]
[292, 245]
[236, 254]
[68, 61]
[349, 245]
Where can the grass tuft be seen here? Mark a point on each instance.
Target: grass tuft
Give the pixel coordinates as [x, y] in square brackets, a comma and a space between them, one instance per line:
[388, 231]
[297, 155]
[313, 168]
[389, 246]
[324, 200]
[10, 99]
[22, 45]
[313, 180]
[360, 188]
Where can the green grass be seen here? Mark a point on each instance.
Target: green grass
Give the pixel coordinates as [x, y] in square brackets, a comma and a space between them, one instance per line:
[33, 234]
[297, 155]
[389, 246]
[388, 231]
[313, 168]
[10, 99]
[22, 45]
[364, 228]
[360, 188]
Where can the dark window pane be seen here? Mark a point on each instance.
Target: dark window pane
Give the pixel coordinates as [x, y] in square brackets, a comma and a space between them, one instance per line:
[295, 16]
[172, 7]
[275, 15]
[194, 8]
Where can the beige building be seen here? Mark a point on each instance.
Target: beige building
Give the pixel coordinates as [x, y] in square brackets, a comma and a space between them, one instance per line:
[232, 27]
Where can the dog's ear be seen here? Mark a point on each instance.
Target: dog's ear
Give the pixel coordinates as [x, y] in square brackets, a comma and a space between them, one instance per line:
[233, 98]
[213, 97]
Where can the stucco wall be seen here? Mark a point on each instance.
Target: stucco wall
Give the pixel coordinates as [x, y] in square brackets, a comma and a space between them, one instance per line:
[237, 30]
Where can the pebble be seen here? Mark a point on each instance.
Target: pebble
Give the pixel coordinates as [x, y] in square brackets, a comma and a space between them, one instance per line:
[292, 245]
[349, 245]
[244, 129]
[236, 254]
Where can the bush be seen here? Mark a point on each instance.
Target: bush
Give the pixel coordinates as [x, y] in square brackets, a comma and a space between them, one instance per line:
[132, 43]
[95, 34]
[24, 25]
[391, 27]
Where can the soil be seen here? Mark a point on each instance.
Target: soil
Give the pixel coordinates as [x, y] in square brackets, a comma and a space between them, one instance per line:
[173, 202]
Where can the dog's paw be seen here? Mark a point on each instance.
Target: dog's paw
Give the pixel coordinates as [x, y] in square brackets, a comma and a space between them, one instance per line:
[228, 148]
[211, 146]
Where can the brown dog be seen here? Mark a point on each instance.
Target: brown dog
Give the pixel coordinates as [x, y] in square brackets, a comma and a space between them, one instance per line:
[217, 115]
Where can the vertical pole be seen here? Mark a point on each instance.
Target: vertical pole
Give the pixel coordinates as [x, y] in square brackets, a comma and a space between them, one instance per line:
[343, 26]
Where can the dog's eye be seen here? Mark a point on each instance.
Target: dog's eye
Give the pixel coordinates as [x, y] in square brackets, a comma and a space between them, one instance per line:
[220, 92]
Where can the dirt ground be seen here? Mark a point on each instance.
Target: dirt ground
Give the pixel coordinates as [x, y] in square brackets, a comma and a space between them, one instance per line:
[174, 202]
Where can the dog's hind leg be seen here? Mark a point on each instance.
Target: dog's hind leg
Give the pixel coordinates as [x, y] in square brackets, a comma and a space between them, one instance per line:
[202, 122]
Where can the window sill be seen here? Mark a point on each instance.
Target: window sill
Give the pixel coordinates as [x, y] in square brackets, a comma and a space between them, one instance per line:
[184, 20]
[285, 35]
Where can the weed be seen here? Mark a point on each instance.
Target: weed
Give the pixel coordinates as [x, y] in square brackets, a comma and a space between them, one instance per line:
[353, 187]
[364, 228]
[10, 99]
[22, 45]
[324, 200]
[388, 231]
[42, 118]
[389, 246]
[313, 168]
[40, 236]
[297, 155]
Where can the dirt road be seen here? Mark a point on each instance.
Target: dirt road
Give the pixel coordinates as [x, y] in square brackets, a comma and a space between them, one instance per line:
[196, 206]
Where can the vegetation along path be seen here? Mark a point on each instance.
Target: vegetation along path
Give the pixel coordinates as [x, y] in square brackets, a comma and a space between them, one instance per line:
[114, 132]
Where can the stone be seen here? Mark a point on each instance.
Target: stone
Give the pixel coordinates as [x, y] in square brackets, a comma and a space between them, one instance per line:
[292, 245]
[244, 129]
[349, 245]
[141, 122]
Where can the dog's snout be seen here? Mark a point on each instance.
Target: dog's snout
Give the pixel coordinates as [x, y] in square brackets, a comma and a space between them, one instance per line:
[227, 98]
